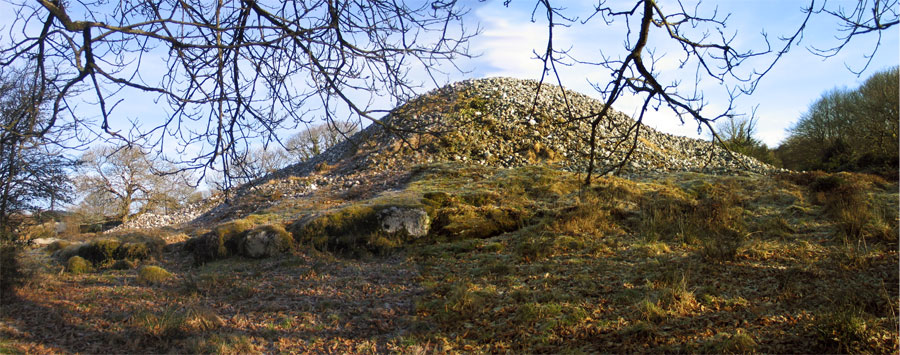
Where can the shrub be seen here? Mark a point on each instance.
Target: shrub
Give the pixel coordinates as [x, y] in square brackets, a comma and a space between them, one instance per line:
[150, 274]
[78, 265]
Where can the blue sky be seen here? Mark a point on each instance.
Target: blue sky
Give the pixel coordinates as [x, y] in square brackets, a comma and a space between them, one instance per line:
[509, 37]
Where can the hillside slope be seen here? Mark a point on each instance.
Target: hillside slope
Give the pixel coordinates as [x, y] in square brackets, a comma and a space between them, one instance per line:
[480, 236]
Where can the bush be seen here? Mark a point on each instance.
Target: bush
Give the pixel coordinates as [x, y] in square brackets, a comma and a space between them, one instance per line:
[152, 274]
[78, 265]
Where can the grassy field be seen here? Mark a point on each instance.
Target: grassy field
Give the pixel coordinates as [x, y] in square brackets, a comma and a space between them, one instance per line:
[517, 260]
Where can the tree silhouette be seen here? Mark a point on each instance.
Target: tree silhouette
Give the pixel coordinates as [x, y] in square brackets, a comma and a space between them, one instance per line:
[705, 45]
[238, 70]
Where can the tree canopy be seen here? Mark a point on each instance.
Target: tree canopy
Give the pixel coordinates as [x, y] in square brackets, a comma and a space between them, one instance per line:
[849, 129]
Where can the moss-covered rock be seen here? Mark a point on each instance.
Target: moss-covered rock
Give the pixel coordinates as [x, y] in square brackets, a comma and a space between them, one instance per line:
[150, 274]
[265, 241]
[133, 251]
[67, 252]
[208, 247]
[100, 251]
[360, 230]
[78, 265]
[222, 242]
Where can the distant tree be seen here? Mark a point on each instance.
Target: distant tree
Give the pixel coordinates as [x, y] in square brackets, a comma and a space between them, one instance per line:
[243, 69]
[318, 138]
[126, 182]
[33, 170]
[705, 45]
[738, 135]
[259, 162]
[855, 130]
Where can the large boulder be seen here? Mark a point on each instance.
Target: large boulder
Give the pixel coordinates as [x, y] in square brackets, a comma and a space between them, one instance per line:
[414, 221]
[265, 241]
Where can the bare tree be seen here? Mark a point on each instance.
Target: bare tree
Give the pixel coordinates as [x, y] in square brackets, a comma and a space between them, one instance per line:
[318, 138]
[235, 71]
[130, 179]
[33, 170]
[705, 45]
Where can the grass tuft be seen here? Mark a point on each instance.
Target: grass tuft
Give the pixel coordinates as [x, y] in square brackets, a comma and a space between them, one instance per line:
[78, 265]
[150, 274]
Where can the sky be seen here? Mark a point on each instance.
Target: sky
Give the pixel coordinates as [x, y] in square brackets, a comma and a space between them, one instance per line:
[783, 95]
[509, 37]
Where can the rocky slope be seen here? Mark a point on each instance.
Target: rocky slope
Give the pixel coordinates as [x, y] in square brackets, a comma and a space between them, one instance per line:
[492, 122]
[497, 122]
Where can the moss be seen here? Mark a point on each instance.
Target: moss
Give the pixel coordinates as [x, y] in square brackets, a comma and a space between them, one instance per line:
[351, 231]
[152, 241]
[468, 222]
[233, 228]
[139, 251]
[356, 230]
[208, 247]
[100, 251]
[77, 265]
[224, 241]
[281, 241]
[150, 274]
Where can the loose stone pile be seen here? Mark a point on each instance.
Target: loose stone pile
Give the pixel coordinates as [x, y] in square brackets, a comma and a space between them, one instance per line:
[501, 122]
[183, 215]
